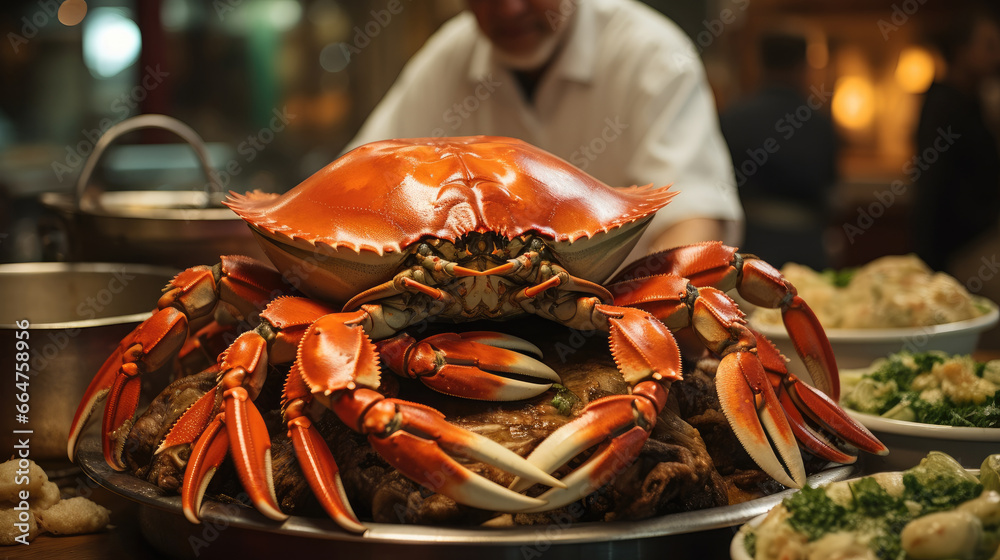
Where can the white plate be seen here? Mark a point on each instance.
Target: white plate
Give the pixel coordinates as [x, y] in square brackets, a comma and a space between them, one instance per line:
[920, 430]
[908, 442]
[737, 550]
[858, 348]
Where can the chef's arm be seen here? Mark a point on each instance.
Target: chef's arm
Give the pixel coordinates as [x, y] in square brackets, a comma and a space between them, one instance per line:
[686, 232]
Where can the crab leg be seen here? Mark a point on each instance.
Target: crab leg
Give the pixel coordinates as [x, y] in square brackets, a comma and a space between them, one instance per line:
[470, 365]
[338, 366]
[318, 465]
[752, 379]
[639, 342]
[668, 297]
[188, 300]
[238, 427]
[714, 264]
[206, 456]
[147, 347]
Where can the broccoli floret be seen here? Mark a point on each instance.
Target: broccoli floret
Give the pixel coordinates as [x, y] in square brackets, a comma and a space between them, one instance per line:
[564, 400]
[927, 360]
[945, 412]
[839, 278]
[871, 396]
[887, 391]
[939, 494]
[879, 514]
[900, 368]
[939, 483]
[813, 513]
[871, 500]
[750, 543]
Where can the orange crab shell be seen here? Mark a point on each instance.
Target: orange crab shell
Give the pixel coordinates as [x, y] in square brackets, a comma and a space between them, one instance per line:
[364, 209]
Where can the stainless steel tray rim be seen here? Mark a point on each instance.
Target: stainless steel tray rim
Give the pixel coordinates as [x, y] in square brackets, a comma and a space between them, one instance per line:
[91, 460]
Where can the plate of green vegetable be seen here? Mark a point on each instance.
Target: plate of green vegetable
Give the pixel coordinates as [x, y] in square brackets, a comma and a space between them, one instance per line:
[929, 400]
[935, 509]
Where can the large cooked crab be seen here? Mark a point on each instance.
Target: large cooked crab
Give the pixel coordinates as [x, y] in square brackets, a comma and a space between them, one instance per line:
[399, 232]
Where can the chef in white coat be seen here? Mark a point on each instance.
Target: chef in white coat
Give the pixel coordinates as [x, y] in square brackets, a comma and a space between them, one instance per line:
[612, 86]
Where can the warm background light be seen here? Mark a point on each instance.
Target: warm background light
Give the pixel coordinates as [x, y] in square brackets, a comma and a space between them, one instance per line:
[915, 69]
[853, 102]
[817, 52]
[72, 12]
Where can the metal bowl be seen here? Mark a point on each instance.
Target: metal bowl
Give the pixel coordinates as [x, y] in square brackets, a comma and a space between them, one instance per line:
[175, 228]
[76, 314]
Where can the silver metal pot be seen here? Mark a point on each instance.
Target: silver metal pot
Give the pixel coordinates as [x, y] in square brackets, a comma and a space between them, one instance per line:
[174, 228]
[75, 315]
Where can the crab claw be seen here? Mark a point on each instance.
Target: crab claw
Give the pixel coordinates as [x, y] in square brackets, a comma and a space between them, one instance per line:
[251, 451]
[812, 346]
[619, 423]
[322, 473]
[609, 460]
[146, 348]
[472, 365]
[207, 454]
[751, 406]
[241, 429]
[419, 442]
[798, 398]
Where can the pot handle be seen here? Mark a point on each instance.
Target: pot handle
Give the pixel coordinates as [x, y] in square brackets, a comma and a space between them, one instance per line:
[89, 192]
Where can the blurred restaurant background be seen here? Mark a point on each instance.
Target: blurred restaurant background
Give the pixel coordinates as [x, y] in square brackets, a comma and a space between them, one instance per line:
[274, 93]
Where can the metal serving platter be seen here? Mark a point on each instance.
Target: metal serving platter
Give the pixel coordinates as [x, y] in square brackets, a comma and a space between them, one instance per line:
[230, 528]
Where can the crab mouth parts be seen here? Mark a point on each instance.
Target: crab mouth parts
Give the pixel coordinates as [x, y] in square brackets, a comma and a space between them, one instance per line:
[481, 250]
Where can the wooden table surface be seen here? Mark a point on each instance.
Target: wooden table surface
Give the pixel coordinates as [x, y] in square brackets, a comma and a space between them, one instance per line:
[123, 540]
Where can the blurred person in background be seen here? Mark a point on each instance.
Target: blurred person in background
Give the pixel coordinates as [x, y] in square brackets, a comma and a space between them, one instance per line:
[612, 86]
[956, 168]
[784, 149]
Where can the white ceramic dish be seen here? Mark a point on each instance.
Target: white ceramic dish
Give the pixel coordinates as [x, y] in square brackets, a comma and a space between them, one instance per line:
[908, 442]
[737, 550]
[858, 348]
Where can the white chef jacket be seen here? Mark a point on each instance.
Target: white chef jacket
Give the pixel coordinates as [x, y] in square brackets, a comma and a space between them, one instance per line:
[626, 100]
